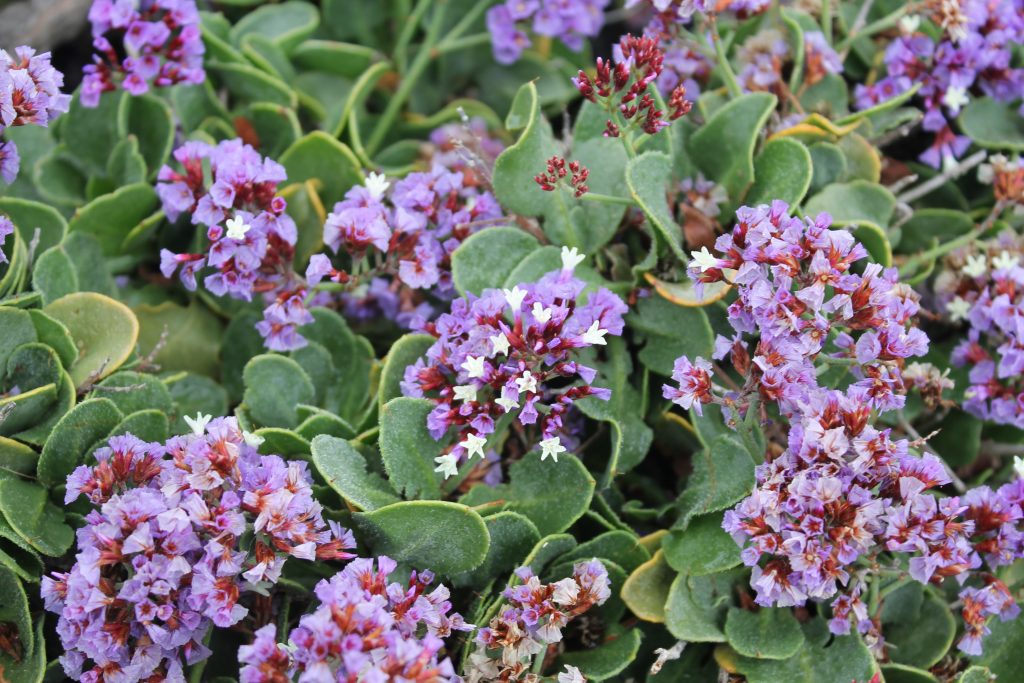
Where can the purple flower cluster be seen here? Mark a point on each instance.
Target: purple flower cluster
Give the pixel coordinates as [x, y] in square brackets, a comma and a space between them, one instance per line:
[973, 55]
[161, 558]
[482, 366]
[985, 287]
[160, 41]
[407, 233]
[681, 11]
[571, 21]
[763, 56]
[29, 95]
[533, 619]
[252, 239]
[6, 228]
[365, 629]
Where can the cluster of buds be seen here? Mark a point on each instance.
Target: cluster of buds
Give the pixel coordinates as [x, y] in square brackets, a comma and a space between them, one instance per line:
[533, 620]
[181, 535]
[161, 39]
[556, 170]
[639, 62]
[29, 95]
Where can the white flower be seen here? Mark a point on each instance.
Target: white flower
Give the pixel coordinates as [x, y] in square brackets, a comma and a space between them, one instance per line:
[447, 465]
[955, 98]
[465, 392]
[571, 675]
[377, 184]
[474, 445]
[528, 382]
[571, 258]
[551, 447]
[704, 259]
[566, 591]
[237, 227]
[976, 265]
[515, 297]
[1005, 260]
[595, 335]
[499, 343]
[507, 403]
[198, 423]
[540, 314]
[474, 366]
[910, 23]
[1018, 465]
[254, 440]
[958, 309]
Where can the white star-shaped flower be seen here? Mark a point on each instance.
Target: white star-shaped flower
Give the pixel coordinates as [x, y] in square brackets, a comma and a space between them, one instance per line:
[377, 184]
[910, 23]
[237, 228]
[515, 297]
[571, 675]
[958, 309]
[571, 258]
[594, 334]
[474, 366]
[447, 465]
[976, 265]
[508, 404]
[198, 423]
[1005, 260]
[527, 383]
[465, 392]
[254, 440]
[474, 445]
[540, 314]
[1018, 465]
[499, 343]
[955, 98]
[704, 259]
[551, 447]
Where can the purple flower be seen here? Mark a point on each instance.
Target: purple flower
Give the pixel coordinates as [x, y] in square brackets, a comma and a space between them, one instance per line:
[694, 384]
[6, 228]
[568, 20]
[10, 161]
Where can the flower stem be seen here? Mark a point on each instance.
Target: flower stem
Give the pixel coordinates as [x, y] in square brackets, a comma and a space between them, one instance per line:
[454, 45]
[730, 76]
[826, 20]
[915, 262]
[401, 49]
[883, 24]
[607, 199]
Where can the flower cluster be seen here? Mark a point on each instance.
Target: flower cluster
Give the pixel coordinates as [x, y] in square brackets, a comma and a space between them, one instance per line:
[763, 56]
[571, 21]
[556, 171]
[972, 55]
[533, 619]
[985, 287]
[6, 228]
[252, 239]
[365, 629]
[484, 365]
[466, 147]
[639, 62]
[161, 559]
[160, 41]
[29, 95]
[682, 11]
[409, 234]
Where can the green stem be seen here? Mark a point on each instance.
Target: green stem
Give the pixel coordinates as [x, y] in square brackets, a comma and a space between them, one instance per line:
[912, 264]
[826, 20]
[538, 661]
[408, 31]
[607, 199]
[454, 45]
[409, 79]
[873, 600]
[627, 143]
[730, 76]
[883, 24]
[467, 20]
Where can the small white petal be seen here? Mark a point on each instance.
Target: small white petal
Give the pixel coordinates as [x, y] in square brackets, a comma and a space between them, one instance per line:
[474, 366]
[465, 392]
[595, 335]
[527, 382]
[236, 228]
[540, 314]
[704, 259]
[198, 423]
[447, 464]
[377, 184]
[474, 445]
[500, 345]
[254, 440]
[551, 447]
[515, 297]
[571, 258]
[976, 265]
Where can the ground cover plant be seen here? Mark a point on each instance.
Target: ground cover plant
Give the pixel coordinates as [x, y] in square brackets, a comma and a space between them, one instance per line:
[533, 340]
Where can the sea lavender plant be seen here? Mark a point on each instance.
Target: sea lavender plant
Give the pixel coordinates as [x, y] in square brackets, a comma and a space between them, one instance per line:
[152, 43]
[181, 534]
[365, 629]
[512, 352]
[29, 95]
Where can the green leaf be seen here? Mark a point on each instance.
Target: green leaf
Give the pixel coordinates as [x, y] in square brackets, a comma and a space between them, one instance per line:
[283, 442]
[551, 494]
[193, 104]
[29, 407]
[126, 165]
[16, 457]
[41, 523]
[148, 425]
[829, 164]
[723, 148]
[104, 331]
[976, 674]
[406, 351]
[274, 386]
[72, 436]
[862, 159]
[111, 217]
[149, 119]
[38, 432]
[993, 125]
[90, 133]
[407, 448]
[319, 367]
[344, 470]
[30, 669]
[287, 24]
[318, 156]
[329, 56]
[353, 358]
[723, 474]
[31, 366]
[512, 536]
[913, 645]
[781, 171]
[146, 392]
[621, 547]
[769, 633]
[445, 537]
[901, 673]
[646, 590]
[277, 128]
[695, 608]
[610, 657]
[514, 169]
[17, 330]
[193, 336]
[249, 84]
[605, 158]
[487, 258]
[863, 205]
[14, 610]
[322, 422]
[926, 225]
[670, 331]
[75, 265]
[845, 659]
[54, 335]
[1002, 649]
[702, 548]
[29, 216]
[648, 177]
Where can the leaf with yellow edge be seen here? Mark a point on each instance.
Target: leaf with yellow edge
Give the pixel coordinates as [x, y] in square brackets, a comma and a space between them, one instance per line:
[646, 590]
[684, 293]
[104, 330]
[816, 127]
